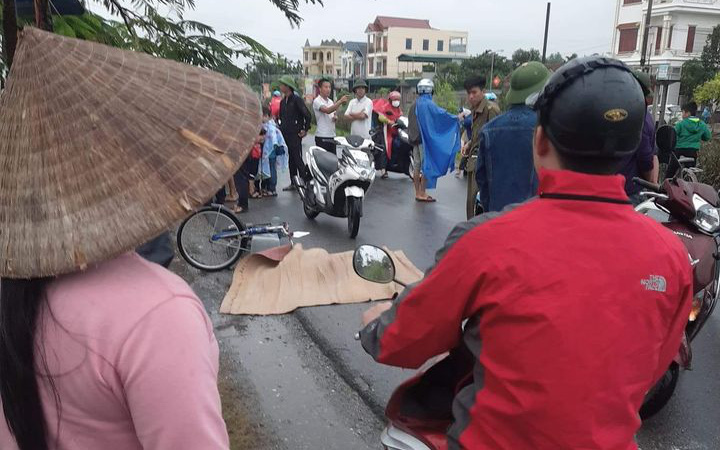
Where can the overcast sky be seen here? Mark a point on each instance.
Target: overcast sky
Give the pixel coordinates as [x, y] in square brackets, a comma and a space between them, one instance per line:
[576, 26]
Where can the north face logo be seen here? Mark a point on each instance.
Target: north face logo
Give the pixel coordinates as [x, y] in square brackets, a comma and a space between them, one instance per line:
[655, 283]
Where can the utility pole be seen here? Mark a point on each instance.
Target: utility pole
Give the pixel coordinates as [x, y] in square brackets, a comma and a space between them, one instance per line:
[646, 35]
[547, 28]
[492, 69]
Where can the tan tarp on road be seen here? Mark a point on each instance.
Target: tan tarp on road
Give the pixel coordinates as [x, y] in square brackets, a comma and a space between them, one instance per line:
[312, 277]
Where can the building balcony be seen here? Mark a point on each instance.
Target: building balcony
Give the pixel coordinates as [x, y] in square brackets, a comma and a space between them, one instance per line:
[457, 48]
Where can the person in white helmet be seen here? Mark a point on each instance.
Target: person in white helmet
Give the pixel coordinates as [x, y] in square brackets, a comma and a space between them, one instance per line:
[435, 134]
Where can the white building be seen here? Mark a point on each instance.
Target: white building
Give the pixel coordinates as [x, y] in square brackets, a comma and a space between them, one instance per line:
[398, 47]
[353, 61]
[678, 31]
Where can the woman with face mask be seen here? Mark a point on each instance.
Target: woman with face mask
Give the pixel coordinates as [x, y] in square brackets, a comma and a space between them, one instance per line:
[386, 112]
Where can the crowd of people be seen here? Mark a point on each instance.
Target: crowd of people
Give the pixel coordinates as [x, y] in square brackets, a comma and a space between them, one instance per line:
[122, 354]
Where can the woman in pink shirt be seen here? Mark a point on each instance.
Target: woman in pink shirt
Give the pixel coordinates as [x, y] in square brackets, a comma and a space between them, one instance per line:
[100, 351]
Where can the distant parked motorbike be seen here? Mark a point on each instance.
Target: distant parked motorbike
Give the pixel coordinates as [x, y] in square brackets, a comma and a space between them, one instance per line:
[401, 159]
[337, 186]
[690, 211]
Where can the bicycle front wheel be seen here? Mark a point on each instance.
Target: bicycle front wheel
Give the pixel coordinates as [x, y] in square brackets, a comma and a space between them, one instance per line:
[209, 239]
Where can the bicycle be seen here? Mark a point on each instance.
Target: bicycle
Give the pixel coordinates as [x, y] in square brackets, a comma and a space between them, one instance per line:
[213, 238]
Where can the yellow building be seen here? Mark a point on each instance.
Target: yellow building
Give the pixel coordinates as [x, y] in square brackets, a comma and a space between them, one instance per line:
[324, 59]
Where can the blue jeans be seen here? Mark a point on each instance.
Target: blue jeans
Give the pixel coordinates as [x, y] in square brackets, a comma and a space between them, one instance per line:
[270, 184]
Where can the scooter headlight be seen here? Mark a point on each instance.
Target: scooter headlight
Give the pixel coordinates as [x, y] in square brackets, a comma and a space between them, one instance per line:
[707, 217]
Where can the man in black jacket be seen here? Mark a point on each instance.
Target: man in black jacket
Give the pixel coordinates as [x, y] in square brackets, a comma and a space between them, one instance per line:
[294, 121]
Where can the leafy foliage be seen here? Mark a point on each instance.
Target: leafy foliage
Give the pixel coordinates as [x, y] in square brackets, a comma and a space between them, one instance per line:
[521, 56]
[141, 26]
[445, 96]
[709, 160]
[708, 92]
[698, 71]
[263, 69]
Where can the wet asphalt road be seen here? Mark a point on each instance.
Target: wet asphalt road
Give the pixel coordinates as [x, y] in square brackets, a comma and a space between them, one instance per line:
[327, 393]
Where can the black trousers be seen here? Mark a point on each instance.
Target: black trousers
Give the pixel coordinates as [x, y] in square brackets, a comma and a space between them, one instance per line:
[673, 165]
[327, 144]
[294, 143]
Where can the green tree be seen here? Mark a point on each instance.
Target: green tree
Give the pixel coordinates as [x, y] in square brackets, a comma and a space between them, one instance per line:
[142, 27]
[520, 56]
[479, 65]
[708, 92]
[694, 74]
[697, 71]
[555, 59]
[710, 57]
[263, 69]
[446, 97]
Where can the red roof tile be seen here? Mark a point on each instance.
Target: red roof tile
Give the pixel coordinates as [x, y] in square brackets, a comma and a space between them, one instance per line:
[383, 23]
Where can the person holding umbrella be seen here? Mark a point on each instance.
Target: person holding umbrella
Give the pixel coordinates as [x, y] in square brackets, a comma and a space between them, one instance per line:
[295, 121]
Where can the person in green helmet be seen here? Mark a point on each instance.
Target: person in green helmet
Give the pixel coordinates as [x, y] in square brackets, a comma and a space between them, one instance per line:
[690, 132]
[504, 171]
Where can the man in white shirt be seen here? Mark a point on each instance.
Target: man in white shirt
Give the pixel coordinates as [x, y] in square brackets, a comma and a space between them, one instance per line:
[359, 111]
[325, 116]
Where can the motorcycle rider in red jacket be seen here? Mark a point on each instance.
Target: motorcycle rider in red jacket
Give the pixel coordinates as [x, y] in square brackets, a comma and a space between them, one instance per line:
[575, 304]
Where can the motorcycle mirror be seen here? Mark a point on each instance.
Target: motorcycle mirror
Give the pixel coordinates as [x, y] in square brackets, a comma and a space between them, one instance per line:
[666, 138]
[373, 264]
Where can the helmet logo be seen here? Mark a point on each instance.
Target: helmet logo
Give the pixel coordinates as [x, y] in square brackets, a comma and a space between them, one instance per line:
[616, 115]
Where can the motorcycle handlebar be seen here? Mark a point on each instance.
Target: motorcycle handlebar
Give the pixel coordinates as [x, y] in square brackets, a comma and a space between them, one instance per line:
[647, 185]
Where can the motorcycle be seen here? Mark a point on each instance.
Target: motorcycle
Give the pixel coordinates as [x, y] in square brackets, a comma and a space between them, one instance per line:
[337, 186]
[402, 160]
[690, 211]
[420, 409]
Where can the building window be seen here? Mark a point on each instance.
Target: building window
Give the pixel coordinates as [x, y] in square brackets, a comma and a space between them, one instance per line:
[329, 56]
[628, 40]
[672, 29]
[338, 73]
[690, 44]
[385, 45]
[306, 56]
[384, 66]
[426, 44]
[306, 72]
[441, 46]
[658, 39]
[379, 68]
[631, 2]
[321, 56]
[314, 56]
[370, 65]
[408, 44]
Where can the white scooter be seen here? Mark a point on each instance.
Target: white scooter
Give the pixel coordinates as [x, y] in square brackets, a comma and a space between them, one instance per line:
[337, 186]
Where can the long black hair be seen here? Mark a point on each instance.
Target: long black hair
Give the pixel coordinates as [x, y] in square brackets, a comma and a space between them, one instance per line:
[21, 303]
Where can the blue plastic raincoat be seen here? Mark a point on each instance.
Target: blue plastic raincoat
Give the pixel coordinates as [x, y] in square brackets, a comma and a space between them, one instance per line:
[440, 132]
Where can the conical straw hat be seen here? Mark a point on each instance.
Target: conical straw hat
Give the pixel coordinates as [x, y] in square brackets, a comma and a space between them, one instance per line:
[102, 149]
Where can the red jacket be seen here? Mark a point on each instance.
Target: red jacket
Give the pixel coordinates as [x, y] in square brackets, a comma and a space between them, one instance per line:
[577, 305]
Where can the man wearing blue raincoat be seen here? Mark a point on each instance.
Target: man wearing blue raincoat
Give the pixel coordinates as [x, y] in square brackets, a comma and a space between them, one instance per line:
[435, 136]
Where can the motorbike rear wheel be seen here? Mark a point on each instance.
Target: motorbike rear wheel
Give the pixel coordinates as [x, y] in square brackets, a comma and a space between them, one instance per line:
[354, 206]
[660, 394]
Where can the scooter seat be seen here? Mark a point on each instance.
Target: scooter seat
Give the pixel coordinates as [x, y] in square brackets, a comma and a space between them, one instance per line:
[326, 162]
[355, 141]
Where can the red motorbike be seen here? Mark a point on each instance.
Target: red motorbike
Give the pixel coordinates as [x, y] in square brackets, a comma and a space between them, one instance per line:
[690, 211]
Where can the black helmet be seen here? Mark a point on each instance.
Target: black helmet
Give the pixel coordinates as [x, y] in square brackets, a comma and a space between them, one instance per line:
[592, 107]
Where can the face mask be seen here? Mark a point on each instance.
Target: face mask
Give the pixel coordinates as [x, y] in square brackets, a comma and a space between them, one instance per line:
[395, 103]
